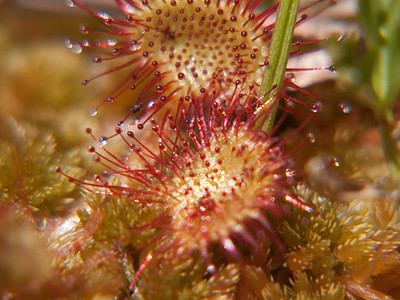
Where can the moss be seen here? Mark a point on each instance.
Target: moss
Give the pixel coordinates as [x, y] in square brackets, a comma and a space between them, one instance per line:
[27, 177]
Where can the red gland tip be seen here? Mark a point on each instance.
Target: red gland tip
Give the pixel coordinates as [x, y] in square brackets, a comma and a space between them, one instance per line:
[213, 45]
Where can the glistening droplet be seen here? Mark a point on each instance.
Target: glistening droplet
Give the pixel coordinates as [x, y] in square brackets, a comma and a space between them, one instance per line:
[317, 107]
[105, 16]
[103, 141]
[70, 3]
[340, 38]
[289, 172]
[345, 107]
[73, 46]
[311, 137]
[336, 162]
[92, 112]
[332, 68]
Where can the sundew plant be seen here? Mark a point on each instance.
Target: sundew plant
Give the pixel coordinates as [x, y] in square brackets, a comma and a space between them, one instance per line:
[178, 157]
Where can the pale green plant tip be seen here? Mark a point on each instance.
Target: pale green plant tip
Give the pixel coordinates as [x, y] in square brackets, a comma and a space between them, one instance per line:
[272, 81]
[380, 20]
[27, 159]
[381, 24]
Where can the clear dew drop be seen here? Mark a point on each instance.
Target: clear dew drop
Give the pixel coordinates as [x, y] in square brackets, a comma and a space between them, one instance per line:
[68, 43]
[135, 45]
[73, 46]
[105, 16]
[289, 172]
[336, 162]
[108, 43]
[76, 48]
[42, 223]
[332, 68]
[345, 107]
[103, 141]
[111, 42]
[85, 43]
[150, 104]
[93, 112]
[211, 269]
[317, 107]
[290, 104]
[70, 3]
[311, 137]
[291, 76]
[84, 29]
[127, 8]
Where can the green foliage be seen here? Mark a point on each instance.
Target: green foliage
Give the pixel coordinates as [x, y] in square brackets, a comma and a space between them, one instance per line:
[372, 63]
[112, 219]
[381, 24]
[370, 66]
[340, 241]
[25, 258]
[27, 177]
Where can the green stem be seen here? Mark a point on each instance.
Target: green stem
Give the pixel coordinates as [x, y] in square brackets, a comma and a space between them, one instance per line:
[391, 151]
[278, 57]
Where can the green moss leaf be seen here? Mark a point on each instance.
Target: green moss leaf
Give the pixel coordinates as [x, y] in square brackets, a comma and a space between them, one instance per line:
[27, 177]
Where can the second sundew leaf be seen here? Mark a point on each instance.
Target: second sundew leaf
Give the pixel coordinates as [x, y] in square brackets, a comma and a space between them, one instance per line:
[171, 51]
[278, 56]
[183, 49]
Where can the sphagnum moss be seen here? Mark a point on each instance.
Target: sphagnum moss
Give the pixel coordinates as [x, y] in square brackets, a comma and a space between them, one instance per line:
[27, 158]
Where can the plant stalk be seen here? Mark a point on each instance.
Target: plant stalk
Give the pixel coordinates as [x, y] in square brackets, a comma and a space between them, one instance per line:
[277, 59]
